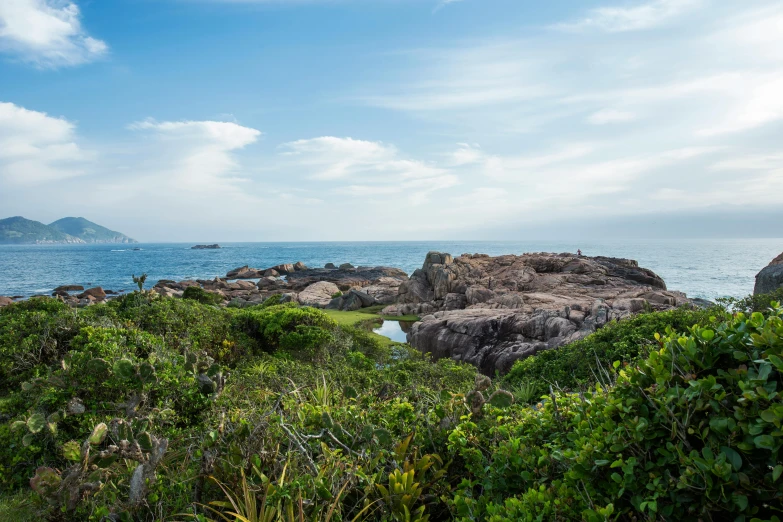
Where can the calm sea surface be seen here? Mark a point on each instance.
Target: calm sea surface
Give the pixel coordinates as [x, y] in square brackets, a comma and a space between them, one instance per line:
[705, 268]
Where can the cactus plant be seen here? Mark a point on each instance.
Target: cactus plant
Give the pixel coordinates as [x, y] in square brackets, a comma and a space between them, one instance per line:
[92, 466]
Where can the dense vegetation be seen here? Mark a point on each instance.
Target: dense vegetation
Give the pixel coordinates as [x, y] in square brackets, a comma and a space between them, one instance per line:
[147, 408]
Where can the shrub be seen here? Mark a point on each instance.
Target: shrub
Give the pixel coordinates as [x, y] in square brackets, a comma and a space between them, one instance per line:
[755, 302]
[196, 293]
[288, 327]
[691, 432]
[576, 365]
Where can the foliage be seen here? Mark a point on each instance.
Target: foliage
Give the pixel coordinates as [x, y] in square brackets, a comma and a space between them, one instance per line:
[754, 302]
[277, 413]
[295, 329]
[196, 293]
[579, 364]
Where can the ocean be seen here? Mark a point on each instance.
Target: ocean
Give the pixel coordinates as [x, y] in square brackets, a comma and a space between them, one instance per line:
[705, 268]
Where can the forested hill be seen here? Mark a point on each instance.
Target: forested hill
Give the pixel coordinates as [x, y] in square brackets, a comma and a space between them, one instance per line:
[19, 230]
[88, 231]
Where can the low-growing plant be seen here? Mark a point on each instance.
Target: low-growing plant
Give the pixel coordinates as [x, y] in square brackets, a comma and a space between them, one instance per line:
[196, 293]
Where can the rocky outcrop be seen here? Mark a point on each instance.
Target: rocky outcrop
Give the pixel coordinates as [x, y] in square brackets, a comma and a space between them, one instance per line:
[69, 288]
[380, 283]
[96, 293]
[205, 247]
[770, 278]
[492, 311]
[352, 300]
[318, 294]
[244, 272]
[5, 301]
[386, 280]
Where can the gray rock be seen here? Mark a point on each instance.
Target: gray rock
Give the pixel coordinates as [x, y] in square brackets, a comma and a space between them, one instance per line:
[5, 301]
[330, 266]
[347, 266]
[299, 266]
[770, 278]
[271, 272]
[69, 288]
[318, 294]
[244, 272]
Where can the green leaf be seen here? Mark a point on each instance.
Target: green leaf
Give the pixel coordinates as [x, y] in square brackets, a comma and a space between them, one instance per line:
[764, 442]
[501, 399]
[146, 372]
[776, 472]
[145, 441]
[36, 422]
[777, 361]
[97, 368]
[98, 434]
[124, 369]
[733, 457]
[383, 436]
[707, 335]
[72, 451]
[28, 439]
[740, 500]
[350, 392]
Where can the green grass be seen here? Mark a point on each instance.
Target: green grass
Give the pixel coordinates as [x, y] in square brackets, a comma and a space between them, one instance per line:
[20, 507]
[367, 318]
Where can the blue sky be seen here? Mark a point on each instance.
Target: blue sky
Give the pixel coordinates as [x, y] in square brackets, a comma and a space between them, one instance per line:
[393, 119]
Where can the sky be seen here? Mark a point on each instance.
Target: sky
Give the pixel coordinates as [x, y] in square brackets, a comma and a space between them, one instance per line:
[289, 120]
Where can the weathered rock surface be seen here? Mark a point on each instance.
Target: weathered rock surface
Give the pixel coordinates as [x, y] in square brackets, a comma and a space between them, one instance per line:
[380, 283]
[244, 272]
[492, 311]
[384, 278]
[318, 294]
[5, 301]
[96, 293]
[354, 299]
[69, 288]
[770, 278]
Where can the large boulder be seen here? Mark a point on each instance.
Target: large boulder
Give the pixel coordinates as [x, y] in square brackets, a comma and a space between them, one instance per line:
[318, 294]
[5, 301]
[770, 278]
[69, 288]
[354, 299]
[492, 311]
[244, 272]
[96, 293]
[284, 269]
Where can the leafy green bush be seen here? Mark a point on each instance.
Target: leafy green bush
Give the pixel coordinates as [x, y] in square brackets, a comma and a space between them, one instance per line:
[288, 327]
[754, 303]
[196, 293]
[691, 432]
[578, 364]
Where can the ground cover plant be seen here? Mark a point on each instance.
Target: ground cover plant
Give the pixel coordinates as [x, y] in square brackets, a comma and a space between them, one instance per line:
[149, 408]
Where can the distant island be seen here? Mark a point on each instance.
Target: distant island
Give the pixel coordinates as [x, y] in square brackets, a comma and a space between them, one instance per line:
[205, 247]
[69, 230]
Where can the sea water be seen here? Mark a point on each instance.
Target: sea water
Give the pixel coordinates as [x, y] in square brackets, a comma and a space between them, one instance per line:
[705, 268]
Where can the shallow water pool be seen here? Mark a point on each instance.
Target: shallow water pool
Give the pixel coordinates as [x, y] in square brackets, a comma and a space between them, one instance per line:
[397, 331]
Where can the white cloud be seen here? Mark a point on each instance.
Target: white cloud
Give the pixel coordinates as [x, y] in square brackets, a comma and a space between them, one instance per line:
[197, 156]
[605, 116]
[466, 154]
[37, 148]
[47, 33]
[374, 168]
[638, 17]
